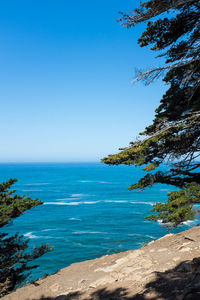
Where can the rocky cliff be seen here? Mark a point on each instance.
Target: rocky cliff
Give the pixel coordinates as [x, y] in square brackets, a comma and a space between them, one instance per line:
[168, 268]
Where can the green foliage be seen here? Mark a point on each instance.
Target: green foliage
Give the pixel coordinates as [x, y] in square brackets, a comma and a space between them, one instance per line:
[179, 205]
[12, 206]
[14, 253]
[174, 135]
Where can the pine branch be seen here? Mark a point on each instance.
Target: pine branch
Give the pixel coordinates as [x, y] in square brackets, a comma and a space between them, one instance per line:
[194, 116]
[142, 15]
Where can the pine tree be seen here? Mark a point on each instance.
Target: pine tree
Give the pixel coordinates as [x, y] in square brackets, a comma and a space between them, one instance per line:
[14, 257]
[173, 30]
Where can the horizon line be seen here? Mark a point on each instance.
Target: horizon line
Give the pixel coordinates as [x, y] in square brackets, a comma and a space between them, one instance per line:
[48, 162]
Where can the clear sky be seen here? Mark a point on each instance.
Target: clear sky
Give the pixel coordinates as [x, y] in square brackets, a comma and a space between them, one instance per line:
[65, 75]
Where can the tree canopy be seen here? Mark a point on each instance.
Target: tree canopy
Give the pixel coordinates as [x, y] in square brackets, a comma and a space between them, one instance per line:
[14, 257]
[173, 31]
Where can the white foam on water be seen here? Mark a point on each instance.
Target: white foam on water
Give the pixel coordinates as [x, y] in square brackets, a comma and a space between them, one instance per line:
[89, 232]
[142, 235]
[142, 202]
[79, 244]
[30, 235]
[197, 205]
[62, 203]
[71, 203]
[135, 234]
[87, 202]
[85, 181]
[189, 222]
[50, 229]
[90, 202]
[38, 183]
[62, 199]
[160, 222]
[115, 201]
[93, 181]
[31, 190]
[150, 236]
[78, 195]
[74, 197]
[74, 219]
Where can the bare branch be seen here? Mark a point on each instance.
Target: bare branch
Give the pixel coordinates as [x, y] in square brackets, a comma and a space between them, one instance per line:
[155, 73]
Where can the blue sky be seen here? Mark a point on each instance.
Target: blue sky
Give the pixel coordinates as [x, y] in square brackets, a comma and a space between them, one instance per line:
[66, 70]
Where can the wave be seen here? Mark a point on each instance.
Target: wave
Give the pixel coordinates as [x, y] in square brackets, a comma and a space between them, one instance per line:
[115, 201]
[79, 244]
[190, 222]
[78, 195]
[150, 236]
[61, 203]
[197, 205]
[93, 202]
[74, 197]
[90, 202]
[31, 190]
[74, 219]
[62, 199]
[160, 222]
[135, 234]
[93, 181]
[89, 232]
[142, 235]
[38, 183]
[85, 181]
[50, 229]
[30, 235]
[71, 203]
[142, 202]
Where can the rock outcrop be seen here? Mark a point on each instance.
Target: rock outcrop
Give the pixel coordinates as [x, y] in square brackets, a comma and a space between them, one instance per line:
[168, 268]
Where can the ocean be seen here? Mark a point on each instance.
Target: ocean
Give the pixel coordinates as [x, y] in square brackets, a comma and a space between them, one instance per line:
[87, 213]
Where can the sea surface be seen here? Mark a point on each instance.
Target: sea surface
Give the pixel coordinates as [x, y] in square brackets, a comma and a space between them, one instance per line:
[88, 211]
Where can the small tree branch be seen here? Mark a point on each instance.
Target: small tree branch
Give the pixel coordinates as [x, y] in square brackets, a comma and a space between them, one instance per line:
[194, 116]
[158, 71]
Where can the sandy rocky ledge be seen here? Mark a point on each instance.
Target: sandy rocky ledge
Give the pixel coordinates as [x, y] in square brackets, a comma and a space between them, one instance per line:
[168, 268]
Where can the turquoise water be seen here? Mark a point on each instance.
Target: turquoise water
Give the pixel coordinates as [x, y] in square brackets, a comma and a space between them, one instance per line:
[88, 211]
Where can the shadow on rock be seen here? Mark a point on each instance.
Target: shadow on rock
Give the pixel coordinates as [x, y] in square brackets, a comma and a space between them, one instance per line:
[119, 293]
[179, 283]
[70, 296]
